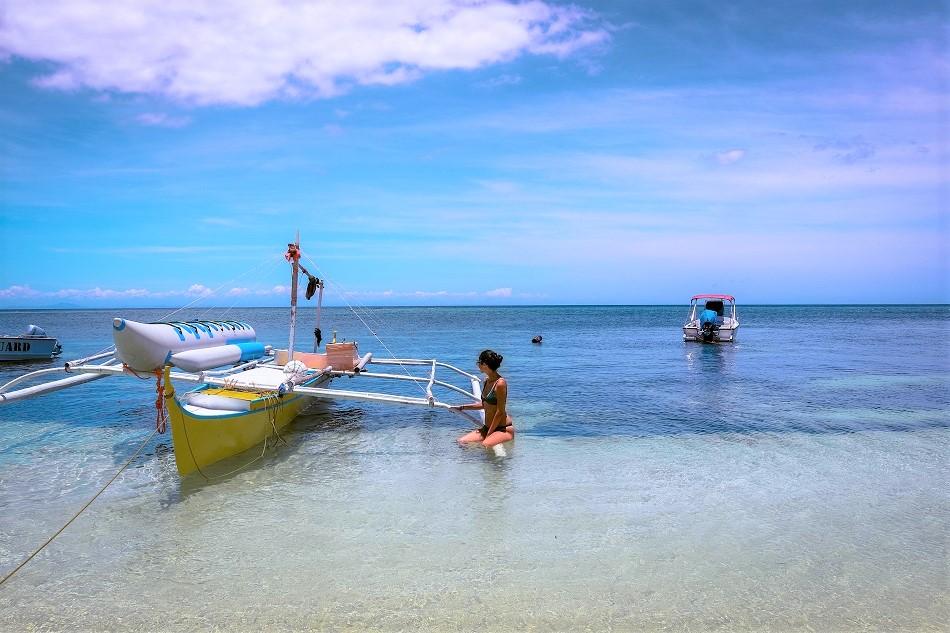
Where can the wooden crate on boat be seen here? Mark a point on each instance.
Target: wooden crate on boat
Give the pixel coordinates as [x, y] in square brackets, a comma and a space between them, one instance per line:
[311, 360]
[342, 356]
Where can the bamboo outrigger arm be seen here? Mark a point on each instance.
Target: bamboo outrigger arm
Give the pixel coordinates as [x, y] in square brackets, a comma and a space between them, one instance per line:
[230, 378]
[48, 387]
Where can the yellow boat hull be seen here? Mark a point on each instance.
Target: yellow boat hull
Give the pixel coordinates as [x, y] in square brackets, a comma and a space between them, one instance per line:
[201, 441]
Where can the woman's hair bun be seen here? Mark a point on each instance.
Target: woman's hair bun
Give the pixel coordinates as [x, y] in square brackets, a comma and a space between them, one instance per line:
[491, 358]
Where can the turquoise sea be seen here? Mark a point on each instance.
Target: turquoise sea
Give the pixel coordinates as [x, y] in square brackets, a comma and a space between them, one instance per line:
[796, 480]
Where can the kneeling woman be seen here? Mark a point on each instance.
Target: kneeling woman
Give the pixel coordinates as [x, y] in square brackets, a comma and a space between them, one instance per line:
[498, 425]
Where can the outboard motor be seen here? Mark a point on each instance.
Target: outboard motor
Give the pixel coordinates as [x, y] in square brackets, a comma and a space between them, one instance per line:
[708, 325]
[35, 330]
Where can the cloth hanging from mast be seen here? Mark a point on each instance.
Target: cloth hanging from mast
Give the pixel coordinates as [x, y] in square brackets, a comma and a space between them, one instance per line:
[312, 284]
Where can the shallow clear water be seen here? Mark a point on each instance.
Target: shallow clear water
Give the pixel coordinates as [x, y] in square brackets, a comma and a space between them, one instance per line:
[795, 480]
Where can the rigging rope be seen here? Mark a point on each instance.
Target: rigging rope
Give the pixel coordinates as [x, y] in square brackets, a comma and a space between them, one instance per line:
[213, 292]
[273, 261]
[272, 418]
[81, 510]
[269, 260]
[371, 331]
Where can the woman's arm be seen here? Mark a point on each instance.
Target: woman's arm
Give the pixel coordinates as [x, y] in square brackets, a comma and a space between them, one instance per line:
[474, 406]
[500, 418]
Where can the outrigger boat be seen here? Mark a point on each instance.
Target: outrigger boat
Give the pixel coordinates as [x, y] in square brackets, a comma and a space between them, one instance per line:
[715, 321]
[234, 409]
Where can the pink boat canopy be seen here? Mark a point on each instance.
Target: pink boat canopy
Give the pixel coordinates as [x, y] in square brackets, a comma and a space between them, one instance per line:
[723, 297]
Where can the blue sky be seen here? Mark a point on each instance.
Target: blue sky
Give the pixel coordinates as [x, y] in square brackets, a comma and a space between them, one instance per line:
[457, 153]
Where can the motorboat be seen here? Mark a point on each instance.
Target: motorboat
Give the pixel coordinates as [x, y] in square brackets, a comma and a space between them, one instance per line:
[31, 345]
[712, 319]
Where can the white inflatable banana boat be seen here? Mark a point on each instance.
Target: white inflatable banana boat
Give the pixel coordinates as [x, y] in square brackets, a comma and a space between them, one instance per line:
[189, 345]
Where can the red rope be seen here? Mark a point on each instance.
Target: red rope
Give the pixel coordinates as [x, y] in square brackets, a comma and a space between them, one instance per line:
[133, 372]
[160, 414]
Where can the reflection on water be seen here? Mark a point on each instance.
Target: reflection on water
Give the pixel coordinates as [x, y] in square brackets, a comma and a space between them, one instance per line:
[715, 358]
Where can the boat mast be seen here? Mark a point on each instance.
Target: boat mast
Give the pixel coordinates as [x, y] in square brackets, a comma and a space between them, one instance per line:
[293, 256]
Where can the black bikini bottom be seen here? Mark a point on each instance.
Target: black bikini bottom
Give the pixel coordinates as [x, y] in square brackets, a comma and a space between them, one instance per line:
[484, 430]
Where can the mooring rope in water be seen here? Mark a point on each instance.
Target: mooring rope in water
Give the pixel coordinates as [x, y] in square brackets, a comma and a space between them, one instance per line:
[271, 417]
[274, 413]
[82, 509]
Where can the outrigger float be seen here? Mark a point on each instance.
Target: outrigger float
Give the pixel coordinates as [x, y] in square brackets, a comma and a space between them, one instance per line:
[236, 408]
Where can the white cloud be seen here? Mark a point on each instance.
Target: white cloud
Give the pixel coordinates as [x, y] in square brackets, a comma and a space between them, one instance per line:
[498, 186]
[499, 292]
[198, 290]
[730, 156]
[158, 119]
[21, 292]
[276, 290]
[428, 293]
[18, 291]
[502, 80]
[209, 52]
[104, 293]
[785, 170]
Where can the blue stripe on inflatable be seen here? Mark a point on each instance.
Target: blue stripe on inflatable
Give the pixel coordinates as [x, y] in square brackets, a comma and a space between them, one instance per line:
[250, 351]
[120, 326]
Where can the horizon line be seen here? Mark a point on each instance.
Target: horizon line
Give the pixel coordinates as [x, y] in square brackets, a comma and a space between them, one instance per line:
[525, 305]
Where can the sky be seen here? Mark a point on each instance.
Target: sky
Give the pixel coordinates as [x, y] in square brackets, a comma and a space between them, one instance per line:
[447, 152]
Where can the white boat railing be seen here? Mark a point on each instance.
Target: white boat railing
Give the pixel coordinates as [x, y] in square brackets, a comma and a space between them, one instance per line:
[418, 379]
